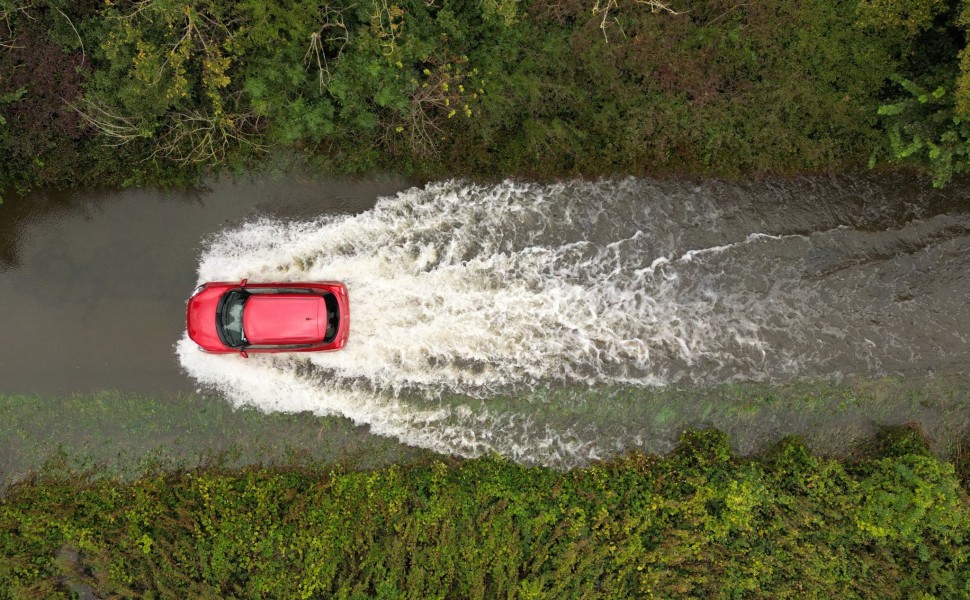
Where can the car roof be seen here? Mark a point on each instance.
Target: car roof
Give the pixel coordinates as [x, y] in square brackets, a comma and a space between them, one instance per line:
[285, 319]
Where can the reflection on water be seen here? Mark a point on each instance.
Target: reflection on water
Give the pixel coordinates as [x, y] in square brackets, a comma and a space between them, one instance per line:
[19, 215]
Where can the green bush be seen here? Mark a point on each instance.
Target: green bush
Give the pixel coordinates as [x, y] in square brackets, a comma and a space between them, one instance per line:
[544, 88]
[703, 449]
[697, 523]
[926, 102]
[791, 463]
[896, 442]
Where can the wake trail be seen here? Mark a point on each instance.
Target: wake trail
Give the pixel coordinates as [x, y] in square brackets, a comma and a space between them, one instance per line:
[481, 291]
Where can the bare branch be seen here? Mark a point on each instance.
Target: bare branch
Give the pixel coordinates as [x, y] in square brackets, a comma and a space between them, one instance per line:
[193, 137]
[386, 21]
[139, 7]
[657, 6]
[118, 129]
[79, 40]
[333, 23]
[606, 21]
[438, 98]
[186, 137]
[602, 8]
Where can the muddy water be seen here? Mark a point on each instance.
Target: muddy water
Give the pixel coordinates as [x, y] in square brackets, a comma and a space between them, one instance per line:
[466, 299]
[477, 289]
[551, 323]
[93, 284]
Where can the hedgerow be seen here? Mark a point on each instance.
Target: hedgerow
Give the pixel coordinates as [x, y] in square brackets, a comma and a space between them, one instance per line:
[698, 523]
[160, 91]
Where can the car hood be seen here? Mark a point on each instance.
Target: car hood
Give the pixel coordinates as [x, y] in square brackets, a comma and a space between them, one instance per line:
[200, 318]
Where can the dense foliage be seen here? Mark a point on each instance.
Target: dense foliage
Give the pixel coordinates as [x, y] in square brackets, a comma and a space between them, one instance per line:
[699, 522]
[152, 91]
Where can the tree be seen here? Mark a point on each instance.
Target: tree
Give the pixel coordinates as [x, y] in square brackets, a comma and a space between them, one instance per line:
[169, 79]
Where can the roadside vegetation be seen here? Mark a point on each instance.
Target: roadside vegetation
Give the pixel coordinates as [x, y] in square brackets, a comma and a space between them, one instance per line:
[161, 92]
[698, 523]
[171, 497]
[148, 92]
[125, 435]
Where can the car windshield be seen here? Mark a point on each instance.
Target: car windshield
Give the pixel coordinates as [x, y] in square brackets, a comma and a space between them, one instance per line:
[232, 318]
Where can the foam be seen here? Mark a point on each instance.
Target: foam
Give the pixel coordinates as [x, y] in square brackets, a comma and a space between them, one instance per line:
[479, 291]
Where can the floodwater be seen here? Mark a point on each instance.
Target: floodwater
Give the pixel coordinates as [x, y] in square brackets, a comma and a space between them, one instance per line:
[93, 284]
[551, 323]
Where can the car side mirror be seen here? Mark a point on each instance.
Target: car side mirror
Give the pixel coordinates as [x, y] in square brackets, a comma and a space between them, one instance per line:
[243, 354]
[243, 282]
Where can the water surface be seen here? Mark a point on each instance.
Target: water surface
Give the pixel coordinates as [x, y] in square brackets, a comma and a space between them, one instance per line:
[469, 300]
[93, 284]
[554, 324]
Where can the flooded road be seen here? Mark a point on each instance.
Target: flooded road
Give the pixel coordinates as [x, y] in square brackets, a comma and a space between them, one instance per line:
[554, 324]
[93, 284]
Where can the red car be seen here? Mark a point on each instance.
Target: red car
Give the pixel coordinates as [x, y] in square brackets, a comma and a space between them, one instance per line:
[269, 317]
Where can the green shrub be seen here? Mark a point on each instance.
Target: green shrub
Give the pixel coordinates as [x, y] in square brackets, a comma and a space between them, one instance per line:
[703, 449]
[544, 88]
[791, 463]
[791, 525]
[897, 442]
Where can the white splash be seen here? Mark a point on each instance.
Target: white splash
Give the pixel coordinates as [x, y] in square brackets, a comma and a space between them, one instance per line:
[450, 291]
[471, 290]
